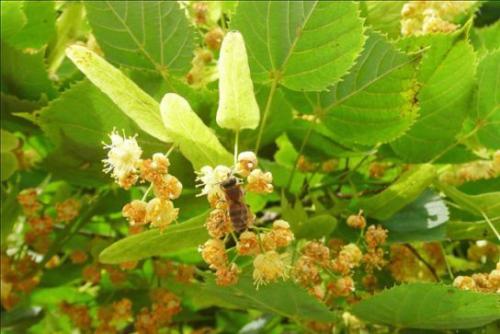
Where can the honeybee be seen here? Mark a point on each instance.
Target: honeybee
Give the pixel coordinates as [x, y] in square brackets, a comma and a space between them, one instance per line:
[239, 212]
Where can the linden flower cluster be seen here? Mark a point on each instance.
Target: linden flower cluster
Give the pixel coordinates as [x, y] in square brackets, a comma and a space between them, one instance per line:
[338, 262]
[427, 17]
[18, 278]
[124, 163]
[480, 282]
[262, 243]
[473, 171]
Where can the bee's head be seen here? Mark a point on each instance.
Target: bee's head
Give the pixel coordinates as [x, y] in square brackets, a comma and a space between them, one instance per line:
[229, 182]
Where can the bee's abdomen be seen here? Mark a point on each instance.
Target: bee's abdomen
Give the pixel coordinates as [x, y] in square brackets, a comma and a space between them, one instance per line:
[239, 217]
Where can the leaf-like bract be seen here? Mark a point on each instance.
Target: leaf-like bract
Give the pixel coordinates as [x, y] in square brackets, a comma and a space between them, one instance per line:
[429, 306]
[487, 203]
[404, 191]
[196, 141]
[238, 108]
[306, 45]
[145, 34]
[188, 234]
[487, 100]
[132, 100]
[446, 74]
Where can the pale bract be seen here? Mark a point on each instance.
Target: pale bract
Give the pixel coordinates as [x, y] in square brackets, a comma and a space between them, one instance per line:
[238, 108]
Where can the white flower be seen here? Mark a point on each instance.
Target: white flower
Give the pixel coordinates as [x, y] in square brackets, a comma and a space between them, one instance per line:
[123, 156]
[210, 179]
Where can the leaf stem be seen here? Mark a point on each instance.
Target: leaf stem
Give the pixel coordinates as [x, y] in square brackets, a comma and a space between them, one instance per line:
[448, 267]
[302, 146]
[490, 224]
[274, 85]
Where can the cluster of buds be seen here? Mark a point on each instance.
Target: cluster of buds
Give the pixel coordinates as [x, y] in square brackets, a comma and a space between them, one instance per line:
[18, 278]
[482, 282]
[41, 224]
[126, 166]
[230, 214]
[78, 314]
[377, 169]
[472, 171]
[405, 266]
[482, 251]
[427, 17]
[165, 306]
[183, 273]
[203, 70]
[375, 237]
[112, 317]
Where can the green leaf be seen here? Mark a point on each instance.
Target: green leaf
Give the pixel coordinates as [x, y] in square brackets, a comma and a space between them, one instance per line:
[374, 102]
[190, 233]
[421, 220]
[9, 165]
[446, 74]
[305, 45]
[283, 298]
[429, 306]
[487, 100]
[9, 212]
[8, 141]
[13, 18]
[280, 117]
[24, 74]
[196, 141]
[404, 191]
[316, 227]
[238, 108]
[145, 34]
[487, 38]
[385, 16]
[39, 27]
[426, 212]
[133, 101]
[487, 203]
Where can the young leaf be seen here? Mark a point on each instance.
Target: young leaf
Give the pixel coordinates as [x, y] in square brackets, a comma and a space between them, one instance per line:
[410, 185]
[196, 141]
[133, 101]
[446, 74]
[24, 75]
[374, 102]
[188, 234]
[145, 34]
[40, 25]
[305, 45]
[238, 108]
[487, 100]
[429, 306]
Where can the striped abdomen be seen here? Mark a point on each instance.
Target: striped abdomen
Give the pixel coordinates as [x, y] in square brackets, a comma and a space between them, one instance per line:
[238, 212]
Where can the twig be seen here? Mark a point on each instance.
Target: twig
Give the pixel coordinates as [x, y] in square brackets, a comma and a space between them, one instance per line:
[424, 261]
